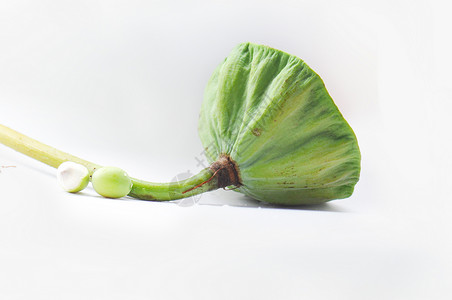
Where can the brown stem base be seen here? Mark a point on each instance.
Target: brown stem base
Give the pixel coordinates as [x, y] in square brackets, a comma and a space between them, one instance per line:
[227, 171]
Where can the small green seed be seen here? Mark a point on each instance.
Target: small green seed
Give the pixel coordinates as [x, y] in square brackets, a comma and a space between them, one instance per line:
[111, 182]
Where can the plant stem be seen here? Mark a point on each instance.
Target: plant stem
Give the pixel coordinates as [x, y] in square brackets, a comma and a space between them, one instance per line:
[145, 190]
[202, 182]
[38, 150]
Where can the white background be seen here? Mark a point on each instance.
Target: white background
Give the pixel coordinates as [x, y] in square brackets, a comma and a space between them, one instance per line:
[121, 83]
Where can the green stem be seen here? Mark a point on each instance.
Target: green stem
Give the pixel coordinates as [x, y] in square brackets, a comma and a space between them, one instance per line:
[202, 182]
[197, 184]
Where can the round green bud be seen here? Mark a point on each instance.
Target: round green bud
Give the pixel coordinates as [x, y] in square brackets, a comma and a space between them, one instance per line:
[72, 177]
[111, 182]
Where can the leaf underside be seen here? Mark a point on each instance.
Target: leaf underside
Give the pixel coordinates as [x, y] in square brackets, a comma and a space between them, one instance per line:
[273, 115]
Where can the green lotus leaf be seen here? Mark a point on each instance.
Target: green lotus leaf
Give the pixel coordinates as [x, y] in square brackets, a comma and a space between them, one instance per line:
[270, 114]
